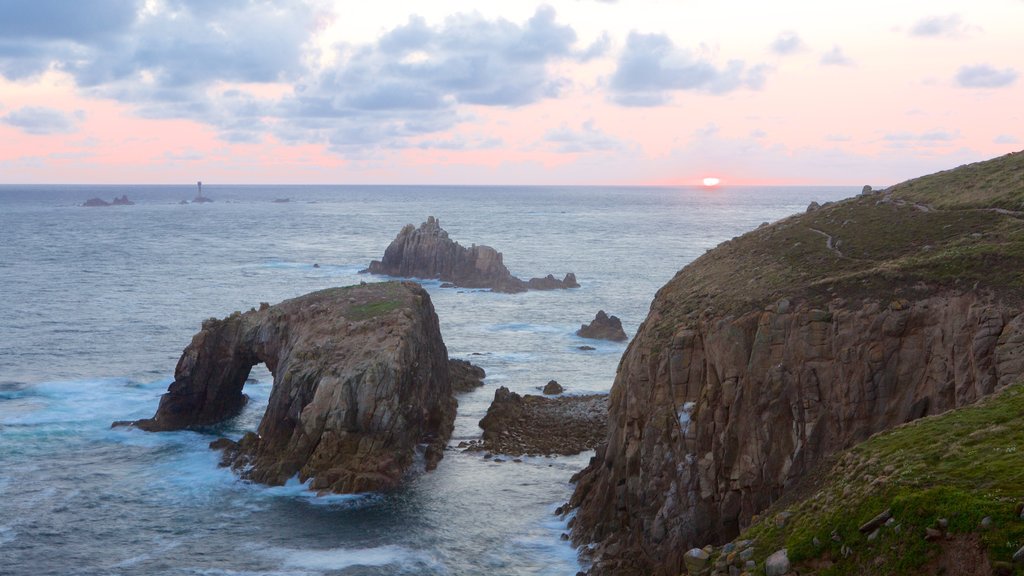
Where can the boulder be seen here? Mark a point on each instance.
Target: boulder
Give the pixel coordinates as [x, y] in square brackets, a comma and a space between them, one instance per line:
[603, 327]
[362, 387]
[428, 252]
[777, 564]
[696, 561]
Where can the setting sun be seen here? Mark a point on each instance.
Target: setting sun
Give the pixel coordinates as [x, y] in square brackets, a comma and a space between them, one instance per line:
[711, 181]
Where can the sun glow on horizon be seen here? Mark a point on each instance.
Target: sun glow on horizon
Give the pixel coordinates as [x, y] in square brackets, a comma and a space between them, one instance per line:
[711, 181]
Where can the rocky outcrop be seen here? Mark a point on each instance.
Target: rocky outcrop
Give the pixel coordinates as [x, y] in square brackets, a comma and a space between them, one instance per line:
[517, 425]
[465, 377]
[603, 327]
[428, 252]
[795, 341]
[361, 387]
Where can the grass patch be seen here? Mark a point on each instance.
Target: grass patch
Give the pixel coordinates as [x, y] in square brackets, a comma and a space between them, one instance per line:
[371, 309]
[962, 466]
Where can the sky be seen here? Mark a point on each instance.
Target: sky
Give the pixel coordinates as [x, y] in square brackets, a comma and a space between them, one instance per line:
[566, 92]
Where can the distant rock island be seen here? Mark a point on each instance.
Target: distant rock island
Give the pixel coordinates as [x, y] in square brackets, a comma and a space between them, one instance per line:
[603, 327]
[427, 252]
[117, 201]
[362, 386]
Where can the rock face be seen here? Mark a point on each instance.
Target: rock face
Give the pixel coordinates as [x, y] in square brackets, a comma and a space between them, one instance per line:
[427, 252]
[778, 349]
[603, 327]
[361, 387]
[531, 424]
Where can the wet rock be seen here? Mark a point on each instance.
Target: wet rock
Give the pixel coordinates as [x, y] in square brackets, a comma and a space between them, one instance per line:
[361, 385]
[552, 388]
[585, 348]
[465, 376]
[603, 327]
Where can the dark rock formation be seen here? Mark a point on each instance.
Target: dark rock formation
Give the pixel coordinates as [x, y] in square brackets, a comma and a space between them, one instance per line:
[777, 349]
[427, 252]
[361, 380]
[603, 327]
[465, 376]
[122, 201]
[96, 203]
[517, 425]
[552, 388]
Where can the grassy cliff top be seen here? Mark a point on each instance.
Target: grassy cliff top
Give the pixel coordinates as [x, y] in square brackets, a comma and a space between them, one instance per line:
[964, 466]
[958, 229]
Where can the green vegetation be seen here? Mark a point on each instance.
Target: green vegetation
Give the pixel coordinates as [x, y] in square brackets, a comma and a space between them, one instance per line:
[963, 466]
[371, 309]
[949, 231]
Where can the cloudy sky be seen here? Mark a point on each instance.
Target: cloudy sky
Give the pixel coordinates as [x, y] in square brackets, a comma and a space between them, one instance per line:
[451, 91]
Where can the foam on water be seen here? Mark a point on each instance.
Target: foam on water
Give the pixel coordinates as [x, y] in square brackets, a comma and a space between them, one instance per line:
[401, 560]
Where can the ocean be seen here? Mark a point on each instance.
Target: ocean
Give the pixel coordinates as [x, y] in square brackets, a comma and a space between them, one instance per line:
[100, 302]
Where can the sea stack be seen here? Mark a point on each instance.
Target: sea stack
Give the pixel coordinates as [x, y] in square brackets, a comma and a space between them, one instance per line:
[361, 386]
[428, 252]
[795, 341]
[603, 327]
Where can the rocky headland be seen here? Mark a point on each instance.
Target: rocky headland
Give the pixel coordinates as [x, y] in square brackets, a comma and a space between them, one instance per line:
[789, 344]
[603, 327]
[516, 425]
[428, 252]
[362, 387]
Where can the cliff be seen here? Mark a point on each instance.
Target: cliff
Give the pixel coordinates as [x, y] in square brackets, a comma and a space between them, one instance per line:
[361, 385]
[941, 495]
[428, 252]
[797, 340]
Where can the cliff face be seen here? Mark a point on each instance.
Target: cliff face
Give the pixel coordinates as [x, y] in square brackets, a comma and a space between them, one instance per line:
[361, 382]
[428, 252]
[793, 342]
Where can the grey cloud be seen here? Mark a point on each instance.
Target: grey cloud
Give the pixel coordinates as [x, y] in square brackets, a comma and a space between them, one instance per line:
[651, 67]
[78, 21]
[40, 120]
[597, 48]
[836, 57]
[985, 76]
[587, 139]
[928, 138]
[1006, 139]
[951, 25]
[787, 43]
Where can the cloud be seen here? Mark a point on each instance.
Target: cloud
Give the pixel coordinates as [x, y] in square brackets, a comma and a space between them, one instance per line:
[836, 57]
[42, 121]
[587, 139]
[928, 139]
[949, 26]
[1006, 139]
[651, 67]
[596, 49]
[788, 43]
[985, 76]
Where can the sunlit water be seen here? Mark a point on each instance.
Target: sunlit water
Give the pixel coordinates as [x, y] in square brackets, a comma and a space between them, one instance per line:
[99, 302]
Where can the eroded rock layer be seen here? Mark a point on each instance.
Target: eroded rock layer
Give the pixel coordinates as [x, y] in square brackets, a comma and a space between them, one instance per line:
[793, 342]
[428, 252]
[361, 387]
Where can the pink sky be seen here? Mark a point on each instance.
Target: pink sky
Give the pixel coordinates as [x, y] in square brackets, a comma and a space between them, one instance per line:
[565, 92]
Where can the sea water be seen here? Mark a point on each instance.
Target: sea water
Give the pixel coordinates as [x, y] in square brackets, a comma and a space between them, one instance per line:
[98, 304]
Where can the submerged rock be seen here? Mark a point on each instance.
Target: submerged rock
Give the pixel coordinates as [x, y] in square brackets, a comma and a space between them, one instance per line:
[362, 387]
[428, 252]
[603, 327]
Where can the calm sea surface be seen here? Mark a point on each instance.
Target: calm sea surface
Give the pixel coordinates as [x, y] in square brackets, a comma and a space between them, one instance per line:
[98, 304]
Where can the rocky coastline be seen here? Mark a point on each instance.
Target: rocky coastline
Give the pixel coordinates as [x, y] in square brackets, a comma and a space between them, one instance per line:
[793, 342]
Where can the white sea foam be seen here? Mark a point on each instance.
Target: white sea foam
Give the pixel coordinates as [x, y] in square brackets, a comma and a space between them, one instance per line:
[684, 416]
[403, 559]
[300, 491]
